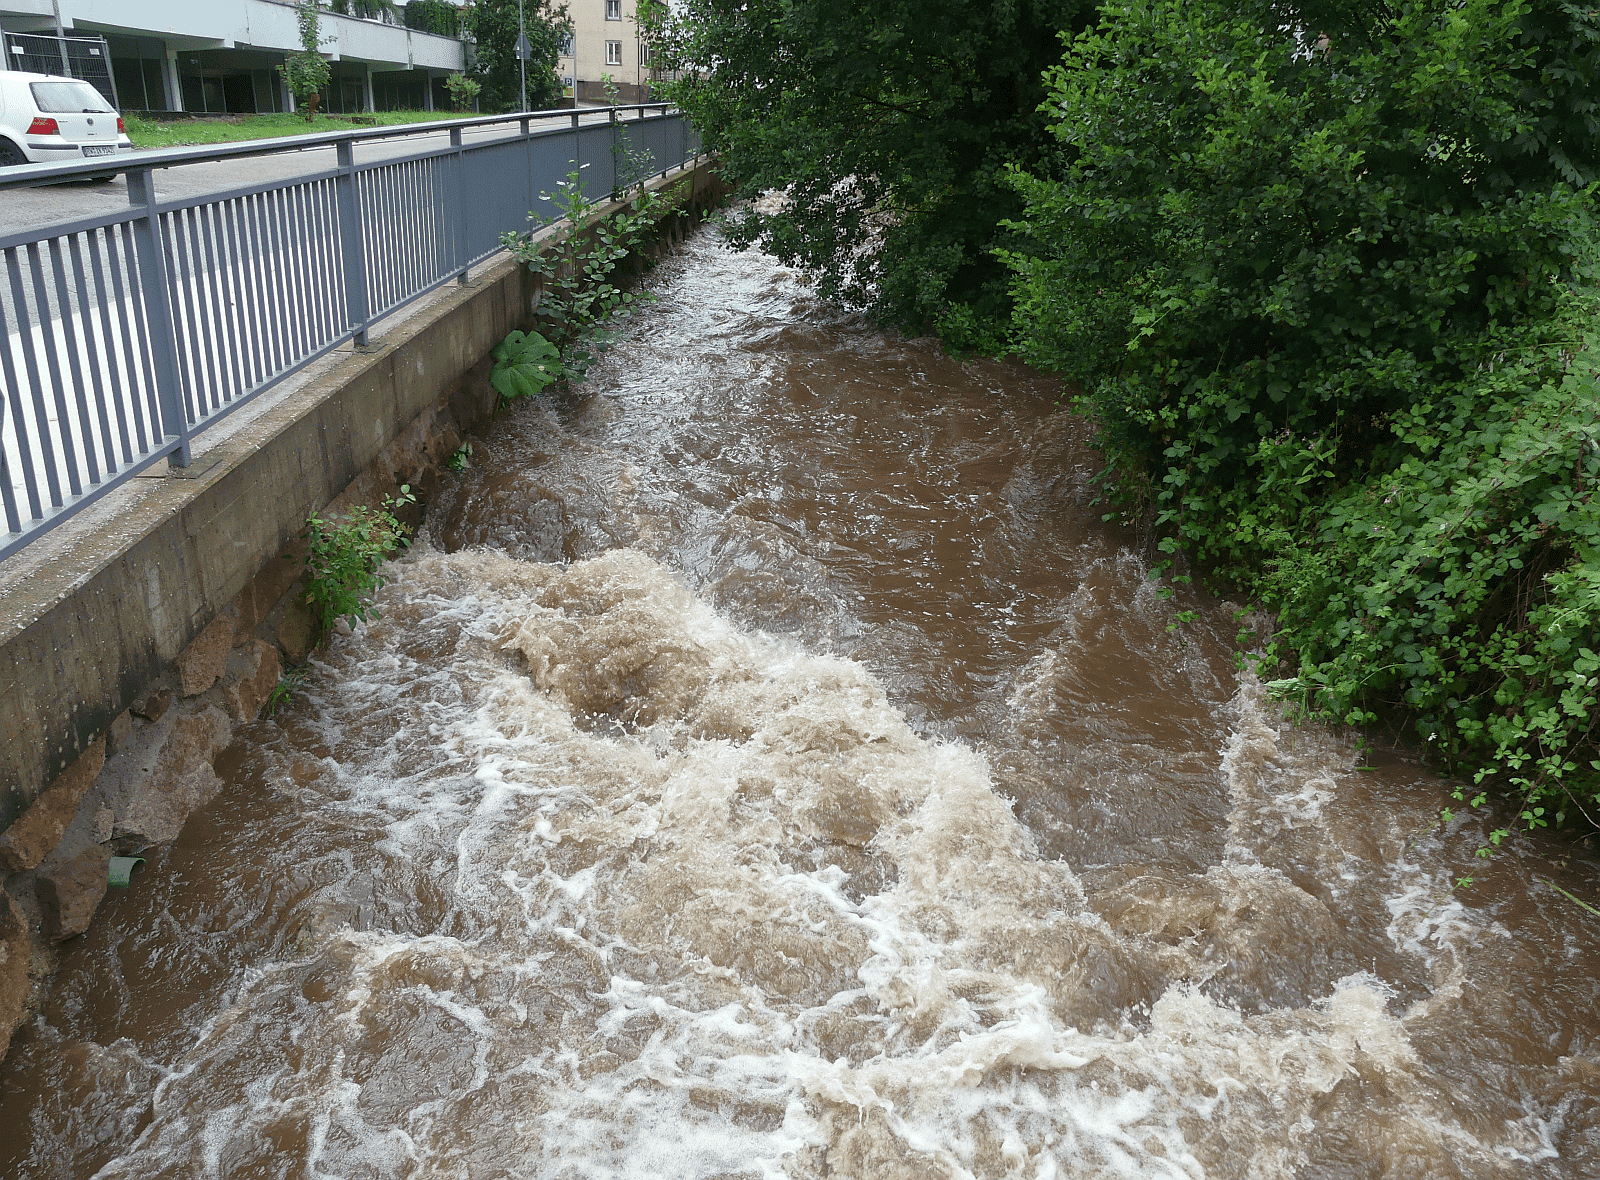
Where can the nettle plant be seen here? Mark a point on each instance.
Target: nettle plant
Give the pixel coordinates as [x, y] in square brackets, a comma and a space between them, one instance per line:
[344, 557]
[580, 294]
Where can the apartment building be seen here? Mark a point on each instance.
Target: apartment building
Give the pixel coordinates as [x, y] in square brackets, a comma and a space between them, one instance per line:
[604, 43]
[217, 56]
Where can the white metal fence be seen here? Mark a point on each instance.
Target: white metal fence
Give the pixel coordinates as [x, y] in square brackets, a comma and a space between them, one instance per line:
[123, 336]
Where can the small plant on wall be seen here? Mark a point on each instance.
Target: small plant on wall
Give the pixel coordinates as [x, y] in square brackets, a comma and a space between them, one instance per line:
[579, 295]
[344, 556]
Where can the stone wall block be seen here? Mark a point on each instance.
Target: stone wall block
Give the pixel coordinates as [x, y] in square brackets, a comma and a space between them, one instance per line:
[252, 674]
[38, 830]
[154, 794]
[119, 732]
[204, 660]
[296, 630]
[16, 951]
[258, 598]
[70, 890]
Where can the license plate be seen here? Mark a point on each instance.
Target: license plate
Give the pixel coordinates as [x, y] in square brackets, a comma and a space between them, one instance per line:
[99, 151]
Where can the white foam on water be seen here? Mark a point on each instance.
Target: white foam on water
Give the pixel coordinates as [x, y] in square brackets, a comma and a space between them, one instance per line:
[713, 909]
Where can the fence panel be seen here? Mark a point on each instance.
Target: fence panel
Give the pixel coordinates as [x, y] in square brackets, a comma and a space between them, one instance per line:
[88, 58]
[123, 335]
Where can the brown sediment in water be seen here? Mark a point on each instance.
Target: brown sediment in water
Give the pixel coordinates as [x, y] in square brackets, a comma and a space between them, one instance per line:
[769, 765]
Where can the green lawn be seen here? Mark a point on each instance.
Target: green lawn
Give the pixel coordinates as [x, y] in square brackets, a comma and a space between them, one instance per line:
[150, 133]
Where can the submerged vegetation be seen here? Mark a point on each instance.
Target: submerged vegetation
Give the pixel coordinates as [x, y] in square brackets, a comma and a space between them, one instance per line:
[1321, 273]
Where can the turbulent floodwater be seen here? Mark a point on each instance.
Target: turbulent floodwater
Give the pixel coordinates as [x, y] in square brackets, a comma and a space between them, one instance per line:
[770, 767]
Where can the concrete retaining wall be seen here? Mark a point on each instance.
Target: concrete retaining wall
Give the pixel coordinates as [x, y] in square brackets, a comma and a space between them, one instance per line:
[129, 651]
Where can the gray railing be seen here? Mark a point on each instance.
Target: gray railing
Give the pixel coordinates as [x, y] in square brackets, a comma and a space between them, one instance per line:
[125, 335]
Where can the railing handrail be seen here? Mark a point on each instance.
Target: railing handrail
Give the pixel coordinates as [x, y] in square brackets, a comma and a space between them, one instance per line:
[126, 334]
[25, 175]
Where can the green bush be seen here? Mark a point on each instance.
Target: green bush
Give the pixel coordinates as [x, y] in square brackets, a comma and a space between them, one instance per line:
[1313, 272]
[463, 91]
[1463, 585]
[344, 556]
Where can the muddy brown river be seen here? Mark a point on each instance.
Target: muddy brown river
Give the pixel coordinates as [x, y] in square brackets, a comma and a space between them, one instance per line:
[768, 765]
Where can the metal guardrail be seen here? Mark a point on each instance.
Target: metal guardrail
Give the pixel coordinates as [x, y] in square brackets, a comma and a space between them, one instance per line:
[125, 335]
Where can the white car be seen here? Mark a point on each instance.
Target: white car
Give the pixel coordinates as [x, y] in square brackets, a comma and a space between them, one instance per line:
[45, 118]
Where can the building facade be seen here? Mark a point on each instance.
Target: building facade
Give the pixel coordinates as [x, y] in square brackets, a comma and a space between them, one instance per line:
[604, 44]
[216, 56]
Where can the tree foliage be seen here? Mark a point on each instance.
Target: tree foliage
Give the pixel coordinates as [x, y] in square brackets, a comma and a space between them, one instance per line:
[492, 24]
[380, 10]
[307, 73]
[890, 126]
[1314, 271]
[433, 16]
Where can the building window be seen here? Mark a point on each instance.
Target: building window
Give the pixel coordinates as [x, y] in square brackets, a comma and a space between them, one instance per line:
[567, 41]
[644, 54]
[613, 9]
[613, 53]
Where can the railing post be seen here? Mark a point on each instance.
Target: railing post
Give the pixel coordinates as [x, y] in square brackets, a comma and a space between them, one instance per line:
[611, 118]
[459, 196]
[527, 158]
[352, 244]
[157, 297]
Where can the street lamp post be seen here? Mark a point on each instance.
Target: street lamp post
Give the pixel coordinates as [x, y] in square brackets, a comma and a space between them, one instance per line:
[523, 50]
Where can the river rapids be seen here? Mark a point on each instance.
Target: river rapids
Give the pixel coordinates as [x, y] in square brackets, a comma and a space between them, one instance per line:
[767, 764]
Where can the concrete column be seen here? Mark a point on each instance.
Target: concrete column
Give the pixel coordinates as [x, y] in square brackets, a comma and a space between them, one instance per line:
[427, 90]
[372, 104]
[174, 82]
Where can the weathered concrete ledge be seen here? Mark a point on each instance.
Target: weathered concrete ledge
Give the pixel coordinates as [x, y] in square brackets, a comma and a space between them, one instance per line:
[161, 617]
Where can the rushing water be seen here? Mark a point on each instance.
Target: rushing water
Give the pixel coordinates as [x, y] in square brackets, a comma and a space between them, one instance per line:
[770, 766]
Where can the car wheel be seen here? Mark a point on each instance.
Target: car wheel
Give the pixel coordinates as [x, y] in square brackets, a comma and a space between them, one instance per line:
[10, 154]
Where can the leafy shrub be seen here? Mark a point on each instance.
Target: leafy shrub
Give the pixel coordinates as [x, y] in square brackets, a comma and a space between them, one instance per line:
[343, 557]
[463, 91]
[1463, 585]
[1261, 248]
[524, 363]
[307, 73]
[1314, 275]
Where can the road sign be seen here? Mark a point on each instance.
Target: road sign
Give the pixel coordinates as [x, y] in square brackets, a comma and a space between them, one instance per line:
[524, 48]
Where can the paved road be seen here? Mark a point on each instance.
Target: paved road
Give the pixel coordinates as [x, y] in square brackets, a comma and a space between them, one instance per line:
[51, 204]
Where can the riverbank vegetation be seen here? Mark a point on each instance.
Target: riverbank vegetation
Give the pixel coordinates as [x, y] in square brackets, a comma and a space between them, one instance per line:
[1322, 274]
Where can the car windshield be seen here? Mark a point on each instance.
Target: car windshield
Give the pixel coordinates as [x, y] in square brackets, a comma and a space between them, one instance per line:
[67, 98]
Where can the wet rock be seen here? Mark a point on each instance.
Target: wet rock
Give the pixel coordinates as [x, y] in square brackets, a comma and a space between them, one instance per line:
[252, 674]
[153, 707]
[101, 823]
[202, 663]
[16, 950]
[38, 830]
[119, 732]
[297, 630]
[70, 890]
[153, 789]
